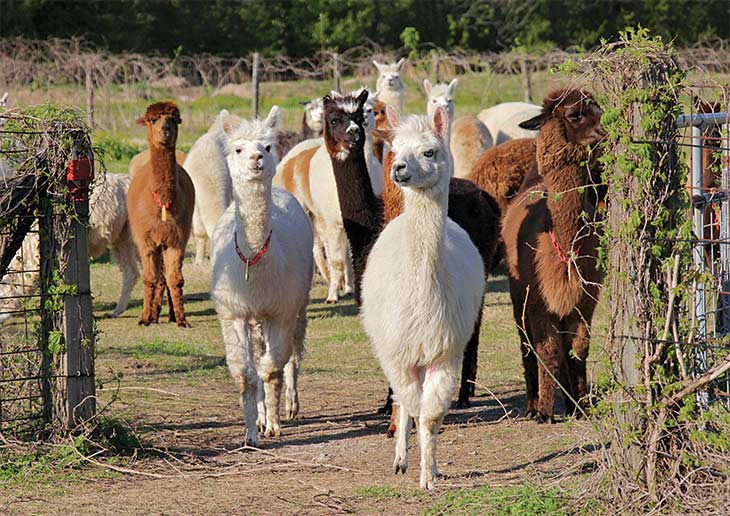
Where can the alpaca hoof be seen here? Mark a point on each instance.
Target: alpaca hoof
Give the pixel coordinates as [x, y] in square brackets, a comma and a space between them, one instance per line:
[463, 403]
[544, 418]
[427, 481]
[252, 439]
[144, 322]
[261, 424]
[331, 301]
[390, 432]
[111, 315]
[400, 465]
[183, 324]
[273, 431]
[386, 409]
[172, 318]
[292, 408]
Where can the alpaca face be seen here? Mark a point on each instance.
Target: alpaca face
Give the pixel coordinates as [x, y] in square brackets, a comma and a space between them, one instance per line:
[161, 120]
[314, 115]
[381, 120]
[389, 77]
[344, 124]
[250, 147]
[421, 158]
[440, 95]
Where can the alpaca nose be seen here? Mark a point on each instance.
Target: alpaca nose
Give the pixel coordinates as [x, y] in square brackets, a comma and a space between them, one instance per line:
[400, 174]
[256, 156]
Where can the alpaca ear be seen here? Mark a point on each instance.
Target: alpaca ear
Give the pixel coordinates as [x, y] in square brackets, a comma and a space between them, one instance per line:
[384, 134]
[440, 121]
[304, 103]
[272, 121]
[535, 123]
[375, 95]
[141, 120]
[392, 115]
[4, 100]
[225, 121]
[362, 98]
[377, 65]
[452, 87]
[400, 63]
[427, 87]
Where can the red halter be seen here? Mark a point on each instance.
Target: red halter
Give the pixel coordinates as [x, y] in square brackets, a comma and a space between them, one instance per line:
[561, 254]
[255, 258]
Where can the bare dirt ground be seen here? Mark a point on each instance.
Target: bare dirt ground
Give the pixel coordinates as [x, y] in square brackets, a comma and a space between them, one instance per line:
[175, 393]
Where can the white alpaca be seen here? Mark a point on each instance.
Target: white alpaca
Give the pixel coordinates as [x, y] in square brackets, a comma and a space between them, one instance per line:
[326, 216]
[389, 83]
[262, 274]
[108, 229]
[503, 120]
[422, 289]
[467, 137]
[313, 118]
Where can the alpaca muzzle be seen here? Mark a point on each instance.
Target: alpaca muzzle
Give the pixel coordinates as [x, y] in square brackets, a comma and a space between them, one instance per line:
[399, 173]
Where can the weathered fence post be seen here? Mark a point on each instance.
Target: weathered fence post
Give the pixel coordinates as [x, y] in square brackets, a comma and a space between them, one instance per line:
[336, 71]
[78, 326]
[89, 93]
[526, 80]
[255, 81]
[436, 64]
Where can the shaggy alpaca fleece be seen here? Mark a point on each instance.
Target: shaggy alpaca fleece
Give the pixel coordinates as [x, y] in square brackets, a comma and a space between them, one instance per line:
[503, 120]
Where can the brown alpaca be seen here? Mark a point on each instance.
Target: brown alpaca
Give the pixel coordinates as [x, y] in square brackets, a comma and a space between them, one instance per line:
[500, 170]
[478, 214]
[160, 204]
[381, 123]
[551, 251]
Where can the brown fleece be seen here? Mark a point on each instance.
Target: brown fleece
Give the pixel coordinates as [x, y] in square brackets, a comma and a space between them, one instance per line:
[161, 244]
[553, 301]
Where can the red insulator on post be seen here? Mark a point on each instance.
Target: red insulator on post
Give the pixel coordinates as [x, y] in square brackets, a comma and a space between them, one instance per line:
[80, 174]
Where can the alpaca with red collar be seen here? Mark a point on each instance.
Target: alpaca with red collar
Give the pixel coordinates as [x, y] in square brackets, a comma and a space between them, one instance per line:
[422, 289]
[262, 274]
[160, 205]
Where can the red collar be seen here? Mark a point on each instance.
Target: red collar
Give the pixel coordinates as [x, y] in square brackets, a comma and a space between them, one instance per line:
[158, 202]
[255, 258]
[561, 254]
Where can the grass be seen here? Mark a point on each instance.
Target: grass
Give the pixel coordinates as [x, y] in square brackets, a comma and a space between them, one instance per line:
[500, 501]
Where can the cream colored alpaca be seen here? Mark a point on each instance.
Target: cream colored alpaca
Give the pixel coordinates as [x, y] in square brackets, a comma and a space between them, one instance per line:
[326, 216]
[389, 84]
[262, 274]
[468, 138]
[422, 289]
[503, 120]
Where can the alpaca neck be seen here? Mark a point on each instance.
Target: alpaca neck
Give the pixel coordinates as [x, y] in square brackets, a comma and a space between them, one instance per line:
[564, 176]
[361, 211]
[253, 223]
[425, 214]
[164, 176]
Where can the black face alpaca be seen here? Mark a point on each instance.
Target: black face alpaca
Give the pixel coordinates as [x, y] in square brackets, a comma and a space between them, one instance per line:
[344, 118]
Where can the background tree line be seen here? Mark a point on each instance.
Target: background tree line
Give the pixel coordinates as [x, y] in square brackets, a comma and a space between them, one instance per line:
[300, 27]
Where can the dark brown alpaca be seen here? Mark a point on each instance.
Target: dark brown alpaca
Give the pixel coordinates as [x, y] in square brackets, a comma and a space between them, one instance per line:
[160, 204]
[500, 170]
[551, 251]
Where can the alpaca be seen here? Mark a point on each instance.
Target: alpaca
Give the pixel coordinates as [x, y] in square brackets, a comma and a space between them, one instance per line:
[380, 145]
[141, 159]
[160, 204]
[422, 289]
[262, 274]
[501, 170]
[389, 83]
[311, 127]
[503, 120]
[551, 250]
[327, 219]
[470, 136]
[108, 229]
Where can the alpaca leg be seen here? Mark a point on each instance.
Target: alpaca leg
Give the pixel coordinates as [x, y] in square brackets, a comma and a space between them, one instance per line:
[318, 251]
[291, 370]
[173, 273]
[438, 388]
[236, 336]
[277, 338]
[201, 238]
[170, 308]
[348, 286]
[150, 277]
[125, 254]
[336, 263]
[261, 404]
[549, 350]
[403, 431]
[529, 361]
[577, 339]
[469, 366]
[257, 345]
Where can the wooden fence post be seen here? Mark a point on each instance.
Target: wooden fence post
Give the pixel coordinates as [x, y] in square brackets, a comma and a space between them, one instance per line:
[89, 93]
[436, 64]
[255, 81]
[526, 80]
[336, 68]
[78, 326]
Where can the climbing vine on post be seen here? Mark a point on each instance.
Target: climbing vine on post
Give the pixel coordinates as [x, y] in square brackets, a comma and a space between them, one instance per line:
[652, 417]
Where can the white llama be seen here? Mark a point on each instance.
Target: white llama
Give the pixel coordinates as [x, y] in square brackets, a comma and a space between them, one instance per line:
[262, 274]
[422, 288]
[466, 136]
[389, 83]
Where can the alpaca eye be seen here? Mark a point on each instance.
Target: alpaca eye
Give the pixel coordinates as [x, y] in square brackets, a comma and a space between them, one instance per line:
[238, 151]
[268, 148]
[575, 116]
[429, 153]
[333, 122]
